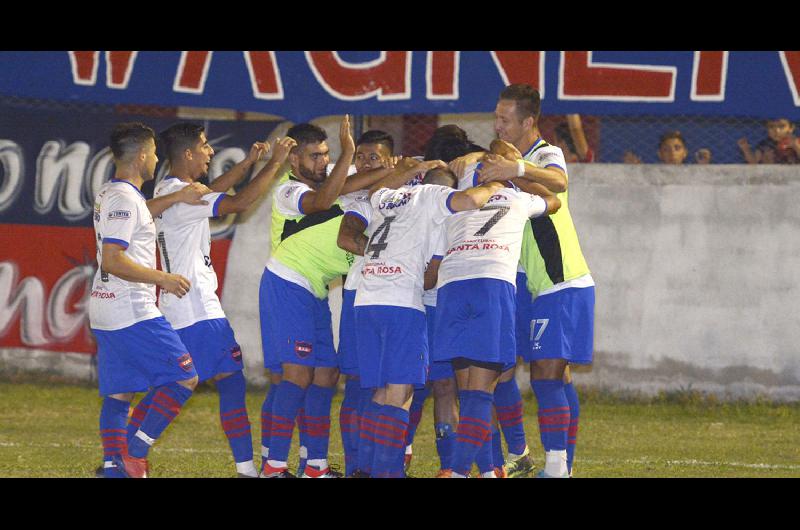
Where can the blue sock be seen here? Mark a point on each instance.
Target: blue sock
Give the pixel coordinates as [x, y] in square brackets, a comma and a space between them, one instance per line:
[165, 406]
[288, 401]
[366, 441]
[318, 420]
[474, 428]
[390, 436]
[445, 444]
[348, 423]
[553, 413]
[302, 438]
[137, 415]
[483, 458]
[266, 421]
[113, 416]
[233, 416]
[415, 413]
[574, 413]
[508, 402]
[497, 447]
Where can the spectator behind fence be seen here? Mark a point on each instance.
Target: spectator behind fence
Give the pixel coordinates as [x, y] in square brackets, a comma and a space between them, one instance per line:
[570, 138]
[672, 150]
[780, 147]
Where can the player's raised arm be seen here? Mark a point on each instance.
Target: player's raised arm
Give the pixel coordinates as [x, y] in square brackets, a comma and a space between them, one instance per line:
[261, 182]
[236, 174]
[324, 197]
[474, 198]
[191, 194]
[351, 234]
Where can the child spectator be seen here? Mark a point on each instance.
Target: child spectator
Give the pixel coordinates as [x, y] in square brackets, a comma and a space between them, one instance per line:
[672, 150]
[780, 147]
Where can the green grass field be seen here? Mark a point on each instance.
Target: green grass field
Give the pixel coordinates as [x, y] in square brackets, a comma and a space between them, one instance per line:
[49, 429]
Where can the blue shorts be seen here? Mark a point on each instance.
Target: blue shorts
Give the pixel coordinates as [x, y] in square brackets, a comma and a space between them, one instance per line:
[475, 320]
[295, 325]
[524, 300]
[146, 355]
[213, 347]
[392, 346]
[561, 326]
[437, 370]
[346, 355]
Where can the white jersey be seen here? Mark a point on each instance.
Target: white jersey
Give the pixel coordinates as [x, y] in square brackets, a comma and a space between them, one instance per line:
[394, 265]
[184, 242]
[541, 154]
[486, 243]
[437, 246]
[121, 217]
[287, 198]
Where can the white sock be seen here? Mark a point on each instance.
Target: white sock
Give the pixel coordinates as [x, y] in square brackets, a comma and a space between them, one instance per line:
[264, 452]
[408, 449]
[488, 474]
[278, 463]
[302, 452]
[555, 463]
[246, 468]
[319, 463]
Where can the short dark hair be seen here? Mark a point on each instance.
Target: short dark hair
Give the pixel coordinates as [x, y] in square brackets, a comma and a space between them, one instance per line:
[440, 176]
[376, 136]
[306, 133]
[676, 135]
[179, 137]
[449, 142]
[529, 102]
[129, 137]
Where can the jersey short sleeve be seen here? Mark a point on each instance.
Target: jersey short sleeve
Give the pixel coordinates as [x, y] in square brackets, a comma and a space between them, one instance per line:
[550, 156]
[437, 199]
[360, 207]
[288, 197]
[119, 219]
[535, 205]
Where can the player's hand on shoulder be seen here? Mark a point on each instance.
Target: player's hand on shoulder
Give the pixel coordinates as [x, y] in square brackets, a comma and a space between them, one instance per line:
[505, 149]
[175, 284]
[427, 165]
[193, 193]
[459, 165]
[495, 167]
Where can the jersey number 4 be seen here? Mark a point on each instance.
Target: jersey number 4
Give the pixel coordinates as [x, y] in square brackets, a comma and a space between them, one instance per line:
[501, 211]
[382, 232]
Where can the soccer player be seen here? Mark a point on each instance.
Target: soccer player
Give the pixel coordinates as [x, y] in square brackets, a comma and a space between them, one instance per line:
[295, 318]
[390, 319]
[184, 240]
[137, 349]
[475, 312]
[560, 317]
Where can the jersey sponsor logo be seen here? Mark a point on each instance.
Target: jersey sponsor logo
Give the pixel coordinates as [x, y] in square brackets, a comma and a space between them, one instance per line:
[185, 362]
[120, 214]
[380, 269]
[236, 353]
[103, 294]
[303, 349]
[471, 246]
[397, 202]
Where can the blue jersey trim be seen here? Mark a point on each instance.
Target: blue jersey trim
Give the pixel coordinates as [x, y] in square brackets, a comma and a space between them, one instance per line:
[300, 202]
[537, 142]
[120, 242]
[449, 199]
[129, 184]
[475, 174]
[436, 256]
[215, 210]
[556, 165]
[358, 215]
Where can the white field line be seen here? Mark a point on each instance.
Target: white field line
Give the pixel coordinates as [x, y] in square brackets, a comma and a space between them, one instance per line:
[636, 461]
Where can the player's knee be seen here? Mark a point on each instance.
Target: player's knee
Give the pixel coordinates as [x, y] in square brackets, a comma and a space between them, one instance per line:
[444, 388]
[548, 369]
[191, 384]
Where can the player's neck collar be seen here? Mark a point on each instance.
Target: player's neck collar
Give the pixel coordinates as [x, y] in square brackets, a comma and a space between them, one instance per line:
[129, 183]
[536, 143]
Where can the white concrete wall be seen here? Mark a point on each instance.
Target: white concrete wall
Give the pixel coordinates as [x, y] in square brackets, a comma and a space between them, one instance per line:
[697, 271]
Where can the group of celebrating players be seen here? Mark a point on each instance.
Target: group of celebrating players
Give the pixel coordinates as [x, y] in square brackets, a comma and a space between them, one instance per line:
[455, 265]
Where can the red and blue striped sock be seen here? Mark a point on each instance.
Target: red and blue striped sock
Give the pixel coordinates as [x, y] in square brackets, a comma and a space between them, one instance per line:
[318, 422]
[165, 406]
[390, 435]
[508, 402]
[553, 423]
[445, 444]
[289, 399]
[415, 413]
[302, 438]
[497, 447]
[574, 413]
[234, 419]
[366, 441]
[484, 458]
[348, 423]
[266, 422]
[113, 416]
[474, 428]
[137, 415]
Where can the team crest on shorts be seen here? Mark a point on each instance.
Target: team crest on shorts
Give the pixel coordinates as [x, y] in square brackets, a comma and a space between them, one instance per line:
[236, 353]
[185, 362]
[302, 349]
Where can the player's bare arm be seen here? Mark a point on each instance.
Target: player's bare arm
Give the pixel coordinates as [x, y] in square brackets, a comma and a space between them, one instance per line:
[116, 262]
[324, 197]
[191, 194]
[432, 273]
[459, 165]
[500, 168]
[553, 202]
[261, 182]
[402, 173]
[351, 235]
[364, 179]
[474, 198]
[236, 174]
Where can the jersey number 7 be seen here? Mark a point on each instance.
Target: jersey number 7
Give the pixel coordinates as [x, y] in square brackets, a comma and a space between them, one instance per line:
[501, 211]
